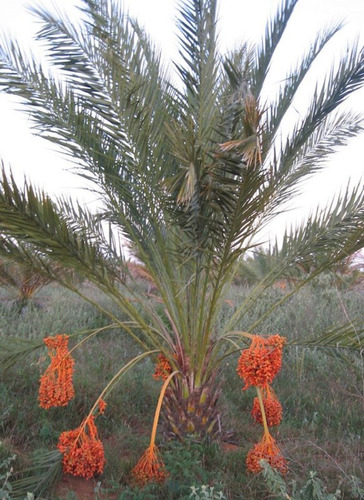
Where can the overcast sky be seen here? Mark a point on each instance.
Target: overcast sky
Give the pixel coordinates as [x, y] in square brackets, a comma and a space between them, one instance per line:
[239, 20]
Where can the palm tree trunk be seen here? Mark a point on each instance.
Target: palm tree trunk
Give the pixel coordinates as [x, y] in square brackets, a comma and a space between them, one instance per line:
[191, 410]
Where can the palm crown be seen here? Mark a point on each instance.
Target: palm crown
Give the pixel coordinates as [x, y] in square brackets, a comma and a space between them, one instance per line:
[188, 174]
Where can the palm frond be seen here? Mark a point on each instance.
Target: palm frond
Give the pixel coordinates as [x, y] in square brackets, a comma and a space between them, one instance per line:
[12, 349]
[40, 477]
[276, 110]
[33, 218]
[313, 155]
[195, 124]
[63, 117]
[197, 35]
[334, 133]
[337, 87]
[344, 337]
[234, 87]
[273, 34]
[331, 234]
[69, 50]
[134, 77]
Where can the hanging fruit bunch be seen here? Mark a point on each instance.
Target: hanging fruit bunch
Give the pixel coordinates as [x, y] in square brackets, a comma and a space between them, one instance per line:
[257, 366]
[56, 385]
[82, 450]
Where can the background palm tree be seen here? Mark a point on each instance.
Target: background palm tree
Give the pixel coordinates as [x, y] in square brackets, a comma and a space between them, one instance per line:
[21, 282]
[188, 174]
[262, 261]
[20, 278]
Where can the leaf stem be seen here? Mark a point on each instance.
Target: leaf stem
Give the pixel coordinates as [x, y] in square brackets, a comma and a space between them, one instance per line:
[264, 418]
[159, 406]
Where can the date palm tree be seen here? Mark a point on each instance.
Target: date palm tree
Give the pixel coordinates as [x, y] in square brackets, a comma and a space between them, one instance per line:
[189, 169]
[21, 282]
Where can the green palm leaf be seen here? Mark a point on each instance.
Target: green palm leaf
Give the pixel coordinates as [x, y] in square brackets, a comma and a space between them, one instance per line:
[44, 472]
[15, 348]
[347, 337]
[273, 34]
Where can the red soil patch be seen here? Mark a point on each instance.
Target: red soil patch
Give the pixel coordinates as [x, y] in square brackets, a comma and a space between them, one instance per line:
[229, 447]
[84, 488]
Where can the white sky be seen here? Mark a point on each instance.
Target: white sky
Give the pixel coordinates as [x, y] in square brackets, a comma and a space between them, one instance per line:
[239, 20]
